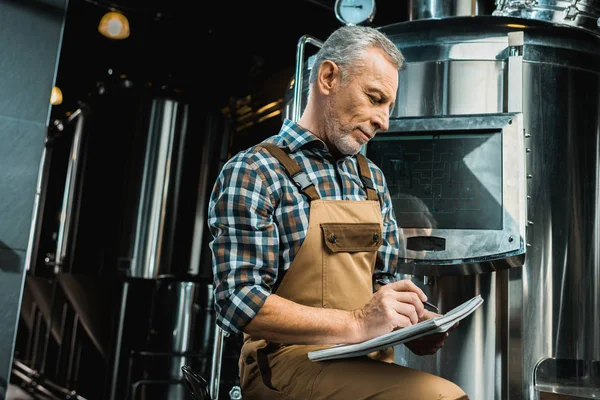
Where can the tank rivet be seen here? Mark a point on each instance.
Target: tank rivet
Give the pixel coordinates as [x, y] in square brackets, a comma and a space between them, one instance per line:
[510, 239]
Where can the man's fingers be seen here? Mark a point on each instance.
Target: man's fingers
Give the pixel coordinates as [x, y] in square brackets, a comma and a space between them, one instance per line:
[427, 345]
[407, 310]
[404, 321]
[412, 299]
[407, 285]
[429, 315]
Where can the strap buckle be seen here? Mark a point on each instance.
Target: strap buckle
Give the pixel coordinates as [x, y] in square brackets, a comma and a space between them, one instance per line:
[301, 180]
[368, 182]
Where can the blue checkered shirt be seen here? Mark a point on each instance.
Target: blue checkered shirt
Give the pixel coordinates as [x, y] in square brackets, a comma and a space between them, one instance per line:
[258, 219]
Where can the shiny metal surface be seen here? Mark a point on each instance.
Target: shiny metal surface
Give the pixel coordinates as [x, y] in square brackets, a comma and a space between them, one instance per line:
[420, 88]
[575, 13]
[299, 73]
[179, 335]
[547, 309]
[216, 363]
[182, 320]
[472, 354]
[578, 378]
[72, 183]
[36, 212]
[159, 184]
[116, 371]
[472, 248]
[514, 79]
[435, 9]
[543, 307]
[560, 282]
[215, 147]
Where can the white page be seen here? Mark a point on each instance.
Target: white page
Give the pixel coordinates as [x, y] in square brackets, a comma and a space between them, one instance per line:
[435, 325]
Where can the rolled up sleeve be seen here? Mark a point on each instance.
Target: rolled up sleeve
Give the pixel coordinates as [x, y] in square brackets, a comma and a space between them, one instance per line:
[244, 243]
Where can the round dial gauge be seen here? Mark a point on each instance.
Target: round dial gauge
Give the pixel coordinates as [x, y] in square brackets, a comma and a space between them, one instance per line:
[355, 12]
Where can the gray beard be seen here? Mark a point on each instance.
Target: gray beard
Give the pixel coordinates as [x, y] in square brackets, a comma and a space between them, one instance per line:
[346, 145]
[343, 141]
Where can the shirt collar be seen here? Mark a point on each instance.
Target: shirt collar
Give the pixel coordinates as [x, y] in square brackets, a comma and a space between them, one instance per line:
[294, 136]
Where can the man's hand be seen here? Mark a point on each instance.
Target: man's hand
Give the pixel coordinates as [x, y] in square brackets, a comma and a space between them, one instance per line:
[430, 344]
[393, 306]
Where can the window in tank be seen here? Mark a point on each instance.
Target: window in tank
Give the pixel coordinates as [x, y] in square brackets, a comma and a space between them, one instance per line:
[448, 180]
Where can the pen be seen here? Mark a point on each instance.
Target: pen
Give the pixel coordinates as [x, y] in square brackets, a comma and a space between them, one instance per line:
[426, 303]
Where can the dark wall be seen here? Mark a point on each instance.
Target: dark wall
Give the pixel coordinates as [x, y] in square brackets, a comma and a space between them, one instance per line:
[30, 38]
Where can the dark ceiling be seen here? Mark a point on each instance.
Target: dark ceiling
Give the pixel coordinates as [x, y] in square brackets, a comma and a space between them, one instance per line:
[215, 49]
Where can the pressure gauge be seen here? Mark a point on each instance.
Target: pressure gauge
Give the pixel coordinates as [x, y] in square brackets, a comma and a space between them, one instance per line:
[355, 12]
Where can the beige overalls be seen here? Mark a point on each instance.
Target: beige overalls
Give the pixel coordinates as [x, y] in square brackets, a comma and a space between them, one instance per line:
[333, 269]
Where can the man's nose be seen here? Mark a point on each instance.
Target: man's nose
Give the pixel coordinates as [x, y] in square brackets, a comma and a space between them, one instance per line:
[381, 121]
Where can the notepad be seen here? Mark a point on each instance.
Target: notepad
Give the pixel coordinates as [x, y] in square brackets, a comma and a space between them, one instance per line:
[435, 325]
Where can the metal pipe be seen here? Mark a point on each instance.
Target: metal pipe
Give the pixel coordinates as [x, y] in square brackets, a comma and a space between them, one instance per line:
[36, 211]
[203, 182]
[217, 356]
[437, 9]
[71, 184]
[153, 241]
[119, 341]
[298, 76]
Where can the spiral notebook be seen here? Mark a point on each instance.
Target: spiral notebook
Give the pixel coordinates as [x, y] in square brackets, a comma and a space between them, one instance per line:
[434, 325]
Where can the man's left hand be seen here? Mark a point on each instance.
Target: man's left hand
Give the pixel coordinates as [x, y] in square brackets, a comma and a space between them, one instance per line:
[430, 344]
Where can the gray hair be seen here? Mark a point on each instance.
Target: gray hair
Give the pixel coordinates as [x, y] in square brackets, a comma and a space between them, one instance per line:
[347, 47]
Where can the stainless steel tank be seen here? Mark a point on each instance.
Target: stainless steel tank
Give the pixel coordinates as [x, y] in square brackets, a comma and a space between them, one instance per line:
[538, 330]
[133, 186]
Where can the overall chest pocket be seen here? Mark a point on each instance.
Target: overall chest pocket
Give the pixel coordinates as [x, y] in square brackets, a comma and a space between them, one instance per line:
[352, 237]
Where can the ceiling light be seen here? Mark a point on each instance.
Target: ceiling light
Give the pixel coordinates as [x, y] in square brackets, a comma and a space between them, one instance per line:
[56, 97]
[114, 25]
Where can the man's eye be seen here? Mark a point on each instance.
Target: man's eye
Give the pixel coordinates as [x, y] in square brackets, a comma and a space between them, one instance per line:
[374, 99]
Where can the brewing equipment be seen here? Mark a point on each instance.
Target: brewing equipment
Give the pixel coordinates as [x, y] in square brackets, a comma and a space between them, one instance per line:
[121, 293]
[505, 106]
[506, 102]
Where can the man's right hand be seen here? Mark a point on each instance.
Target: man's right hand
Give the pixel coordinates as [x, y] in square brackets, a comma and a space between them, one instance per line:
[393, 306]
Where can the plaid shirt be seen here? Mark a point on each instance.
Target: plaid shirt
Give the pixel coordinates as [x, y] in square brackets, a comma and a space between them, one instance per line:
[258, 219]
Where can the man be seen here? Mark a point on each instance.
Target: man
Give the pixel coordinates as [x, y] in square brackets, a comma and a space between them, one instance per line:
[302, 224]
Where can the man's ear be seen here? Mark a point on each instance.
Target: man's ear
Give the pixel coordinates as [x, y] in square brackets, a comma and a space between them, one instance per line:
[328, 76]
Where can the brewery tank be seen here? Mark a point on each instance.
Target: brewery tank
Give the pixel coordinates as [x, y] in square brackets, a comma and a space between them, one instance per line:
[132, 172]
[537, 331]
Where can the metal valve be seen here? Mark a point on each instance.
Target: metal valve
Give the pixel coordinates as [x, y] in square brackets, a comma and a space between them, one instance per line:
[235, 393]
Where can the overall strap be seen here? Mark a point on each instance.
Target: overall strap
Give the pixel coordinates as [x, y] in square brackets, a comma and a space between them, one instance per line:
[294, 171]
[365, 176]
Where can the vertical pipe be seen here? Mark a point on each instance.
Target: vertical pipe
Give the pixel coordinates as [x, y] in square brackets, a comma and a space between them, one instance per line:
[593, 292]
[299, 75]
[119, 342]
[71, 186]
[36, 212]
[217, 357]
[156, 181]
[200, 220]
[155, 223]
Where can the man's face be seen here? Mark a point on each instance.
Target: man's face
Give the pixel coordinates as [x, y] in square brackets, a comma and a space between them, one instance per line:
[361, 105]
